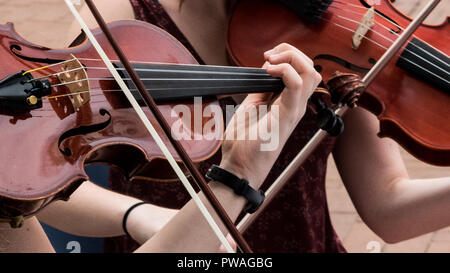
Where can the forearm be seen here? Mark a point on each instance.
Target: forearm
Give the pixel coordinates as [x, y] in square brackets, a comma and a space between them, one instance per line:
[188, 231]
[391, 204]
[93, 211]
[29, 238]
[410, 208]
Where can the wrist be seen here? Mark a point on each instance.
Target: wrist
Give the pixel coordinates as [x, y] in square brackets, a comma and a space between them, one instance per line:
[146, 220]
[239, 185]
[242, 172]
[132, 222]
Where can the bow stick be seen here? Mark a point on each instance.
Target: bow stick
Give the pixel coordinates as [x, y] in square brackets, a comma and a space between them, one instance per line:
[240, 241]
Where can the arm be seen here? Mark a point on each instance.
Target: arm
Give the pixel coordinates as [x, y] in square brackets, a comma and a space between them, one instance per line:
[29, 238]
[93, 211]
[188, 231]
[393, 206]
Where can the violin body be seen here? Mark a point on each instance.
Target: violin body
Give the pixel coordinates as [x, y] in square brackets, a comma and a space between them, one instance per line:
[412, 110]
[44, 151]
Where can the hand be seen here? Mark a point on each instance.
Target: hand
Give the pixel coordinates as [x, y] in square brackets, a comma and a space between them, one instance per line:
[250, 159]
[188, 231]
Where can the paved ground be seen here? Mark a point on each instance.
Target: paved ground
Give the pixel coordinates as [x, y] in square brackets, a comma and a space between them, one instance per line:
[43, 21]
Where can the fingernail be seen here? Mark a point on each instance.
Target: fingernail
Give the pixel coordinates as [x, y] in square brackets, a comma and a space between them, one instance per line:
[273, 57]
[268, 52]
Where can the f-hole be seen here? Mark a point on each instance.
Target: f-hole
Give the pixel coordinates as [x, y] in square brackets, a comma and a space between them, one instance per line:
[341, 62]
[83, 130]
[13, 48]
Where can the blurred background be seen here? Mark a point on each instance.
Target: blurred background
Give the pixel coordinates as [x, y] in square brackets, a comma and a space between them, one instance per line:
[44, 22]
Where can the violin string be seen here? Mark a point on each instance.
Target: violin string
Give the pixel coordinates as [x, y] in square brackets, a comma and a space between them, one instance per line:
[262, 73]
[101, 91]
[343, 17]
[386, 28]
[341, 26]
[55, 74]
[396, 34]
[405, 49]
[168, 79]
[400, 57]
[177, 64]
[388, 39]
[376, 22]
[178, 79]
[143, 62]
[383, 17]
[93, 91]
[46, 66]
[352, 30]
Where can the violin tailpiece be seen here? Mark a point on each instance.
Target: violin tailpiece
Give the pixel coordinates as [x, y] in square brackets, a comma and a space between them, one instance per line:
[77, 83]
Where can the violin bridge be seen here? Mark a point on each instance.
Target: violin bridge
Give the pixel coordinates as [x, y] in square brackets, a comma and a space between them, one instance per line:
[366, 23]
[75, 77]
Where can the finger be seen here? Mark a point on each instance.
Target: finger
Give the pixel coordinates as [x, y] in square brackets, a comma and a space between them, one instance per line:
[259, 98]
[308, 74]
[292, 101]
[291, 80]
[301, 64]
[285, 47]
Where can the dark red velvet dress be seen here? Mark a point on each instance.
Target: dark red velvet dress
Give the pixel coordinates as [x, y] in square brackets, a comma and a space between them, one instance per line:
[297, 220]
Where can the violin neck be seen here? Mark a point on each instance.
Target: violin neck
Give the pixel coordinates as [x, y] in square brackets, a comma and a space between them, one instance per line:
[167, 82]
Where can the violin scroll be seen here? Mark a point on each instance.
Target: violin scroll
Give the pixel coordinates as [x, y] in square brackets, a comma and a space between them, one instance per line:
[345, 88]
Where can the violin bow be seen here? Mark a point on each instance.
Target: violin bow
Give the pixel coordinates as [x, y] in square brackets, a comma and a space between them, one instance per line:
[320, 135]
[240, 241]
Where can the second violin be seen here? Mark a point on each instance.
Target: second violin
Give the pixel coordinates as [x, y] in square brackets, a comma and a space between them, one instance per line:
[410, 96]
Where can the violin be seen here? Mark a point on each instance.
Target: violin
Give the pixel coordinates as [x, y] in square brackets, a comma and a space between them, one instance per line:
[410, 96]
[60, 110]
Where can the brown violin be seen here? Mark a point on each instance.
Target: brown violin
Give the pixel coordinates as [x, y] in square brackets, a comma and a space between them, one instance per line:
[60, 109]
[410, 97]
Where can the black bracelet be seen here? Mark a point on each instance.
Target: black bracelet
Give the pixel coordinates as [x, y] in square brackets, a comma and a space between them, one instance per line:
[240, 186]
[125, 216]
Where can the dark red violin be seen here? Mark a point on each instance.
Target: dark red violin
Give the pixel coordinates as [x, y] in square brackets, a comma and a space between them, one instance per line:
[411, 96]
[60, 109]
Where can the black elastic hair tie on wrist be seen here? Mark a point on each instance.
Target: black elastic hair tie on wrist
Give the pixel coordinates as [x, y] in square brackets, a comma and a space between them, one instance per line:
[240, 186]
[125, 216]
